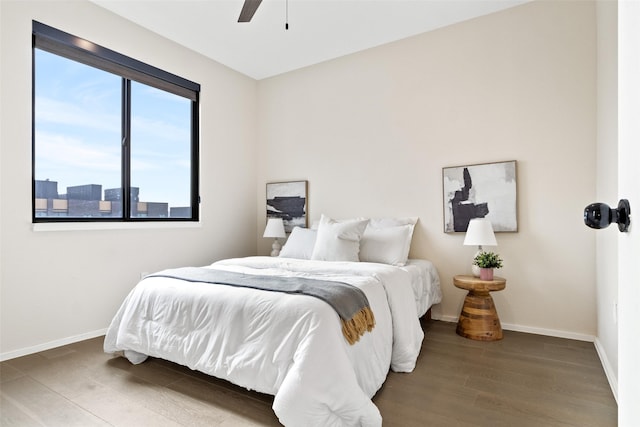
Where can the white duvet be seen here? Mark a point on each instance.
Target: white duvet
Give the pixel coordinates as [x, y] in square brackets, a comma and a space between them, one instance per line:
[289, 346]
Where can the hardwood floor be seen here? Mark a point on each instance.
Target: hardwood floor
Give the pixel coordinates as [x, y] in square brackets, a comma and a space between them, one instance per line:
[523, 380]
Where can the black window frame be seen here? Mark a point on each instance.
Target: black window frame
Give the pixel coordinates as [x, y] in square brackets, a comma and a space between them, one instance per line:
[63, 44]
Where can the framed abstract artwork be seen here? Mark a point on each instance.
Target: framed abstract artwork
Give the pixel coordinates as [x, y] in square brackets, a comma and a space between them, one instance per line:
[288, 200]
[485, 190]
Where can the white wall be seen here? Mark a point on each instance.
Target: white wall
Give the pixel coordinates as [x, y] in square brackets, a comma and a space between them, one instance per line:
[58, 286]
[606, 253]
[372, 132]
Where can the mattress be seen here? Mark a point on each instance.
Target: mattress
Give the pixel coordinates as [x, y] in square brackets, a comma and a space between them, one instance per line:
[425, 282]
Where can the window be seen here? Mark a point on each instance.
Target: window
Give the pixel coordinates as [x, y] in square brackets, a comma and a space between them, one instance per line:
[114, 139]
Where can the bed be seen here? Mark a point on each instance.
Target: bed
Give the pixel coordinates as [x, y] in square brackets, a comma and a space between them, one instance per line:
[288, 345]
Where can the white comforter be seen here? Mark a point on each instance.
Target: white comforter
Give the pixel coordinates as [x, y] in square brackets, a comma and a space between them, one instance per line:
[290, 346]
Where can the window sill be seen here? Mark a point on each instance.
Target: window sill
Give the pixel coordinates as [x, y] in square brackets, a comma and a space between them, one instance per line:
[85, 226]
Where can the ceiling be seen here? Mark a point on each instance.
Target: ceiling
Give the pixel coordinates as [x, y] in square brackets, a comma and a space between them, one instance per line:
[319, 30]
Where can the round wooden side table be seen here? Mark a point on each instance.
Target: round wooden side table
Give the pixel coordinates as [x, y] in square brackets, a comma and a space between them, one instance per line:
[479, 318]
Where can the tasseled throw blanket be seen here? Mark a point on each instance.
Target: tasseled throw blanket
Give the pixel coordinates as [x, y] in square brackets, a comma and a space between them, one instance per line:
[348, 301]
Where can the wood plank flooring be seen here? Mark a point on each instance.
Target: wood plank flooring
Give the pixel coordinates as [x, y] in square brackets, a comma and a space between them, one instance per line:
[523, 380]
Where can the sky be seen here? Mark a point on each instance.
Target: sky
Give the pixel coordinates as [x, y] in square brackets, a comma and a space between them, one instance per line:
[78, 132]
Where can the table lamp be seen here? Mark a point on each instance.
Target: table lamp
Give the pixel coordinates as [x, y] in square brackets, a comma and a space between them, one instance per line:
[275, 229]
[479, 232]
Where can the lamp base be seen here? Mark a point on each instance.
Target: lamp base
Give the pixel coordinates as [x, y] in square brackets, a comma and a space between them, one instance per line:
[475, 270]
[275, 248]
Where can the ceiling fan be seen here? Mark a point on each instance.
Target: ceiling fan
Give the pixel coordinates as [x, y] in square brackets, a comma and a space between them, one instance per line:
[248, 9]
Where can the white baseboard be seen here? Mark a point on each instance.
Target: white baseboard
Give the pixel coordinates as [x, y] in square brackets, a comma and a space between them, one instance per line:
[549, 332]
[51, 344]
[531, 330]
[608, 370]
[445, 318]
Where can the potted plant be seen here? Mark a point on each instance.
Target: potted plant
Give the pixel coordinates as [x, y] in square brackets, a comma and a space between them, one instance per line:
[487, 261]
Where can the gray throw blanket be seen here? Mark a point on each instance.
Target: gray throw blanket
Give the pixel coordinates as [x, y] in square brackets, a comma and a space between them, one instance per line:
[348, 301]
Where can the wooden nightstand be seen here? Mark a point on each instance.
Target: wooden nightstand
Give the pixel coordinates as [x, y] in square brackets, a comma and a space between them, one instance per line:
[479, 318]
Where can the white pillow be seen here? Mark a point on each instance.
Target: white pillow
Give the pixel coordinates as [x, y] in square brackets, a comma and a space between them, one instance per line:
[338, 241]
[299, 244]
[388, 245]
[381, 253]
[392, 222]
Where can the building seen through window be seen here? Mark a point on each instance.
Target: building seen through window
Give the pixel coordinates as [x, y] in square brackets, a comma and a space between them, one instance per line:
[83, 201]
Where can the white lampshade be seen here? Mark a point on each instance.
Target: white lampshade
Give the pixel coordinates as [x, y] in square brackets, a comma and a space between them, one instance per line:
[480, 233]
[274, 228]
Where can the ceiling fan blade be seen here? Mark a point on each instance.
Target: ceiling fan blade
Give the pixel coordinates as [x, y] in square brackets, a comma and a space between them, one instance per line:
[248, 9]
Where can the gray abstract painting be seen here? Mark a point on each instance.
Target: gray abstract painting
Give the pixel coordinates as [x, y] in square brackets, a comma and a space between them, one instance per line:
[288, 200]
[480, 191]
